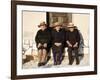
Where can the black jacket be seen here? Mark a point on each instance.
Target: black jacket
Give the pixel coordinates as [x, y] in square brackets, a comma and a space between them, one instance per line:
[43, 36]
[73, 37]
[58, 37]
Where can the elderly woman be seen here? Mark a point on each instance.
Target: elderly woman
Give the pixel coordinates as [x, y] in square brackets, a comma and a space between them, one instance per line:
[72, 40]
[43, 39]
[58, 39]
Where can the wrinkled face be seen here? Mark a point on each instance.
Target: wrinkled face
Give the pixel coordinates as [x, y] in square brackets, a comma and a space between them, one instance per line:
[43, 27]
[57, 28]
[71, 26]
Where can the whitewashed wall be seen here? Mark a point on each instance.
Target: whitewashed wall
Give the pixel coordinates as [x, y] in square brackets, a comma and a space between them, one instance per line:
[31, 20]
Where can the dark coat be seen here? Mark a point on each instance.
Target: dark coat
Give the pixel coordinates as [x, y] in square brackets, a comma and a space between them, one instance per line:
[73, 37]
[43, 36]
[58, 37]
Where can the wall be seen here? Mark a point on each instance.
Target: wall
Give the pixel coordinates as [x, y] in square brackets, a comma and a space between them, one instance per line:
[31, 20]
[82, 22]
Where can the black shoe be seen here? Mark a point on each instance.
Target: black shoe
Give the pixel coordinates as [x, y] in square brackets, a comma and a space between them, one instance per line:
[39, 64]
[43, 64]
[77, 63]
[70, 64]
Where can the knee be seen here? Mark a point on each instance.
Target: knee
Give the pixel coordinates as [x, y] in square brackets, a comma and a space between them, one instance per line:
[44, 51]
[40, 51]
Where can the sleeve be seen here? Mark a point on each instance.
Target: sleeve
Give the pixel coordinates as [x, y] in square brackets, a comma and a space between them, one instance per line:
[66, 39]
[78, 36]
[49, 37]
[37, 38]
[52, 37]
[66, 35]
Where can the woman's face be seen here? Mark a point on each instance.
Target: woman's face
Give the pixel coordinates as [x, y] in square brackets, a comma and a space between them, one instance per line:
[57, 28]
[43, 27]
[71, 26]
[71, 29]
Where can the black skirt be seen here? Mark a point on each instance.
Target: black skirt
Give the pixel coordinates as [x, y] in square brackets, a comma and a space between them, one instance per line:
[46, 48]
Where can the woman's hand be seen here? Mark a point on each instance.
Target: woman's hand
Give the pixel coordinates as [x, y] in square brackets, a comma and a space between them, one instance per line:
[39, 45]
[75, 45]
[68, 43]
[45, 45]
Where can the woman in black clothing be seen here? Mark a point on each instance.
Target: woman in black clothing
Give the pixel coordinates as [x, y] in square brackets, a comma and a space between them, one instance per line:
[58, 38]
[43, 39]
[72, 40]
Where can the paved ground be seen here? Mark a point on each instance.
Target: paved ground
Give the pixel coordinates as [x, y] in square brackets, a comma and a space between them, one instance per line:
[33, 63]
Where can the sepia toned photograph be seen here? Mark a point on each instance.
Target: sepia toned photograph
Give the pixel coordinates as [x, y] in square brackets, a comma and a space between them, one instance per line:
[31, 55]
[49, 40]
